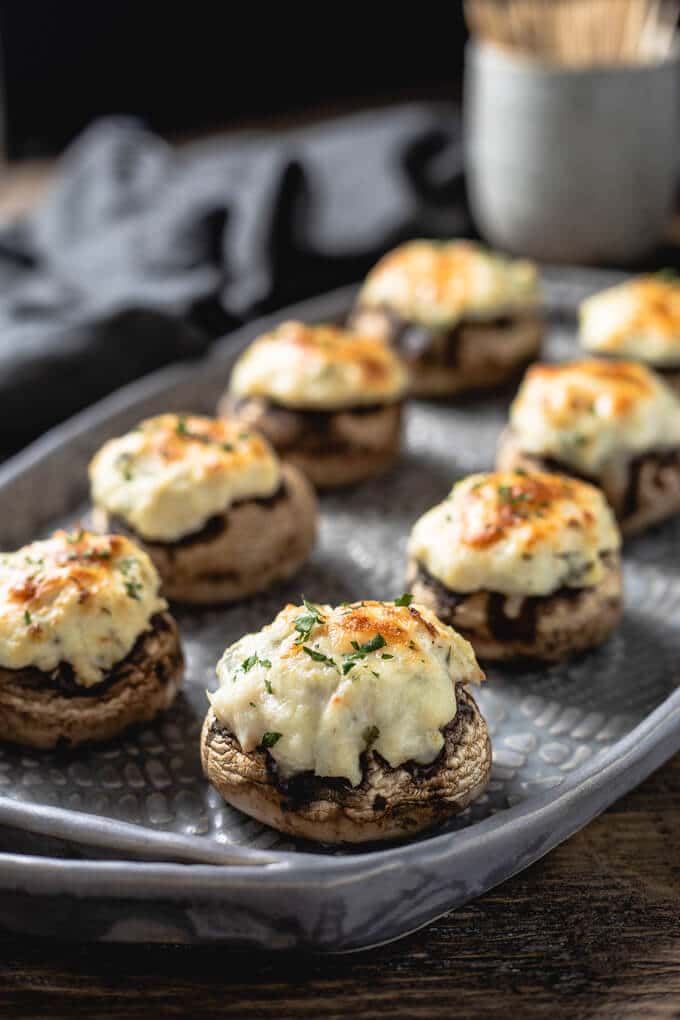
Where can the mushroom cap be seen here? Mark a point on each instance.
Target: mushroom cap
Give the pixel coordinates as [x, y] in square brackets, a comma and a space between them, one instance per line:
[511, 628]
[389, 803]
[472, 355]
[253, 545]
[642, 490]
[43, 710]
[332, 448]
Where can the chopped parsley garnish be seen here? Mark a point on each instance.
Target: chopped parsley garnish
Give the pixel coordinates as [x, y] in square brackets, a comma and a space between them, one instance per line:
[370, 646]
[370, 735]
[181, 427]
[318, 656]
[75, 537]
[27, 617]
[133, 588]
[90, 554]
[124, 465]
[254, 660]
[252, 704]
[244, 435]
[361, 651]
[268, 686]
[269, 739]
[404, 600]
[307, 621]
[227, 446]
[386, 656]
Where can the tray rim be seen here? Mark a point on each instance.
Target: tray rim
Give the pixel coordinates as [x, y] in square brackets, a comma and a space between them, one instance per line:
[560, 811]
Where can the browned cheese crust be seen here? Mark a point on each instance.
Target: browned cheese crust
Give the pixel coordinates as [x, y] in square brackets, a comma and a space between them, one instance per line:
[468, 356]
[387, 804]
[544, 628]
[332, 448]
[642, 490]
[44, 710]
[246, 550]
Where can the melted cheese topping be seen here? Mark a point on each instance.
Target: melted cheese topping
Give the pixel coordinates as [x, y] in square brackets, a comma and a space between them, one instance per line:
[637, 319]
[517, 534]
[169, 476]
[589, 412]
[76, 598]
[437, 283]
[317, 367]
[318, 696]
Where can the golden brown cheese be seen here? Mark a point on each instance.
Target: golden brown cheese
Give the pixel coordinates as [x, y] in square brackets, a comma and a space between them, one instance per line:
[437, 283]
[319, 367]
[321, 684]
[170, 475]
[636, 319]
[516, 534]
[586, 413]
[76, 598]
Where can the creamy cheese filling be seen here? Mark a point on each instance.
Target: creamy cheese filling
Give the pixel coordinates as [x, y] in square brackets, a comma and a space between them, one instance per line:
[321, 685]
[589, 412]
[318, 368]
[439, 283]
[75, 598]
[636, 319]
[169, 476]
[516, 534]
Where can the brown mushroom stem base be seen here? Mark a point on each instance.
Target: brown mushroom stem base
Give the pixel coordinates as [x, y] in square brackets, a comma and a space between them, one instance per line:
[333, 448]
[389, 803]
[642, 490]
[256, 543]
[515, 628]
[46, 710]
[470, 355]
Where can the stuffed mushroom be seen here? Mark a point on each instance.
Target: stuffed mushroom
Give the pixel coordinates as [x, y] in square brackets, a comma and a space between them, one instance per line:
[523, 566]
[462, 317]
[613, 423]
[639, 320]
[348, 724]
[328, 400]
[87, 647]
[210, 502]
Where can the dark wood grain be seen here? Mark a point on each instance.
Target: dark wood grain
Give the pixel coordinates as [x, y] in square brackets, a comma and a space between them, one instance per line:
[593, 930]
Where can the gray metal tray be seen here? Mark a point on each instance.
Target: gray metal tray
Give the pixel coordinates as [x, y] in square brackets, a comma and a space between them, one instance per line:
[128, 842]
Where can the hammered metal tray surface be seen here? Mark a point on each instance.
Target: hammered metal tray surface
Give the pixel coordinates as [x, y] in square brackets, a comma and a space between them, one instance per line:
[553, 729]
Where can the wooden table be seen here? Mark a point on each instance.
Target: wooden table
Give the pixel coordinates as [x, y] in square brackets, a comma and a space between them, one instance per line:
[591, 931]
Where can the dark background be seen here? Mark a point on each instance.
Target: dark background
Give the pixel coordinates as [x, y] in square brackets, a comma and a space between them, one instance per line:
[194, 66]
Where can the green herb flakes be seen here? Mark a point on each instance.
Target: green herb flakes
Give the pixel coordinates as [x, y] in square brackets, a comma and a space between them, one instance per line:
[318, 656]
[269, 739]
[305, 623]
